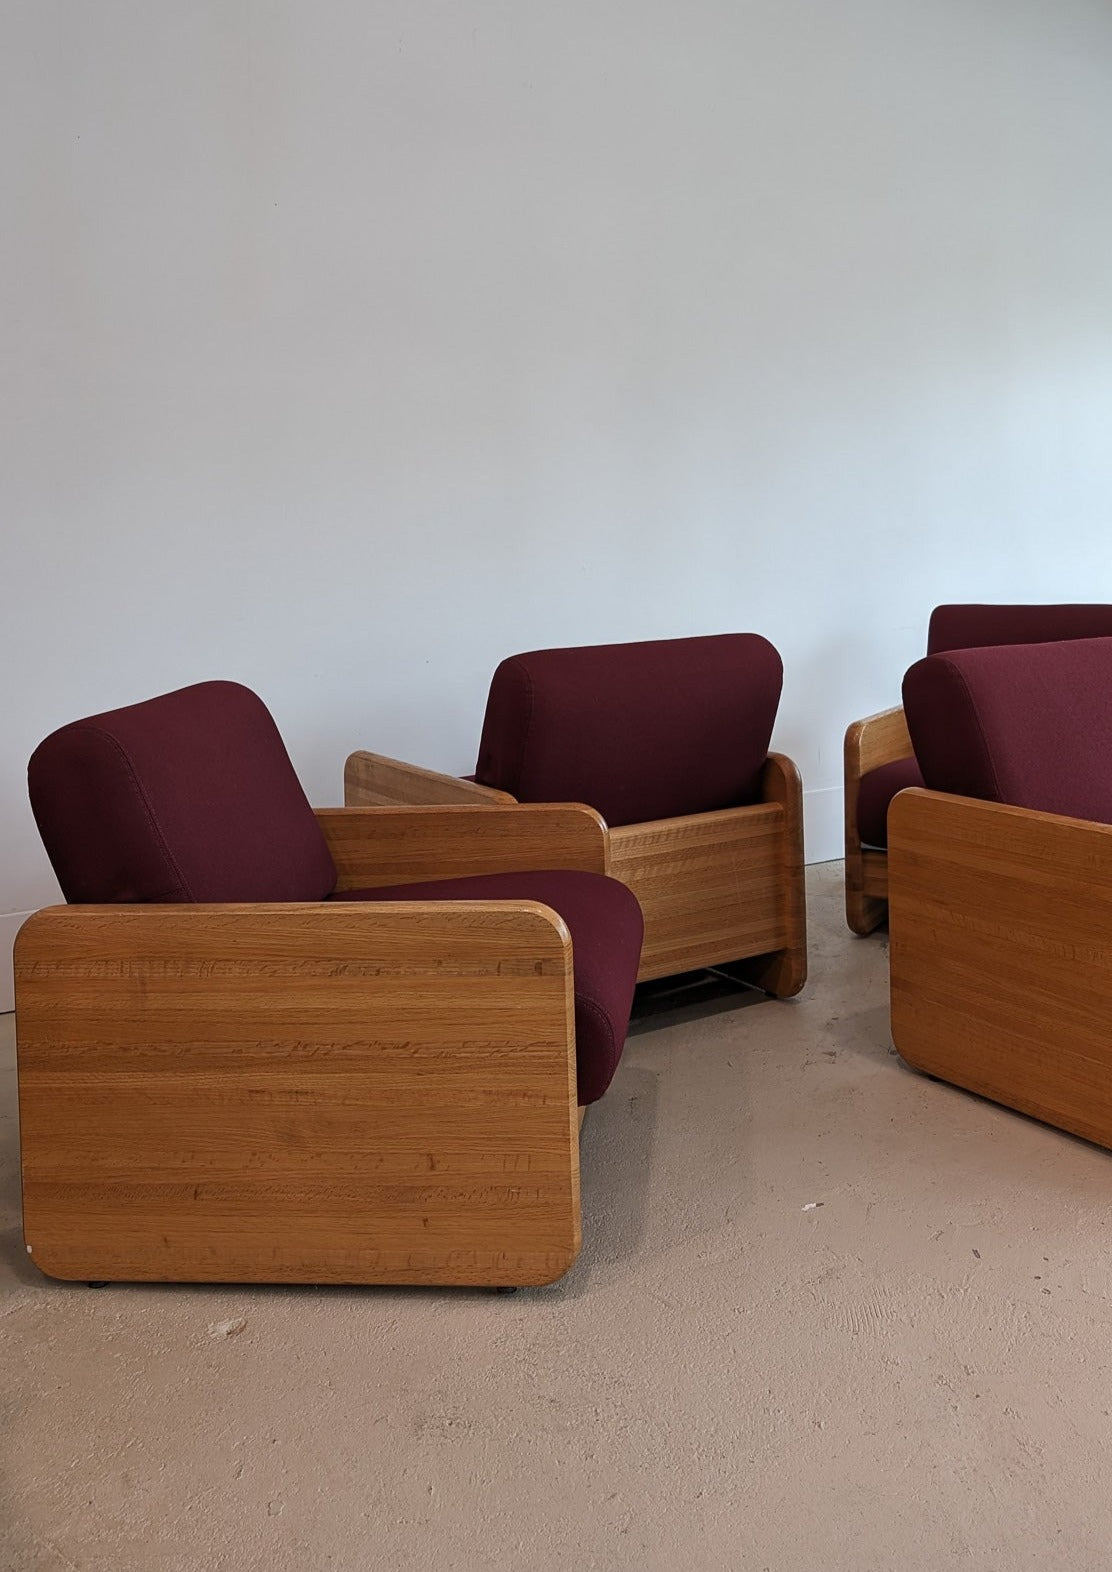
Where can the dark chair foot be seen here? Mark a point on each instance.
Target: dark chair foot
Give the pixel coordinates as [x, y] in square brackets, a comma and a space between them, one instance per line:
[98, 1285]
[505, 1290]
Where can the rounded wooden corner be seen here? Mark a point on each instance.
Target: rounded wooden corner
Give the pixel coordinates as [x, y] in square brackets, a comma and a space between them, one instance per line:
[864, 913]
[548, 915]
[796, 979]
[851, 745]
[58, 1272]
[906, 804]
[565, 1260]
[787, 767]
[909, 1059]
[786, 977]
[584, 810]
[357, 753]
[562, 1271]
[29, 931]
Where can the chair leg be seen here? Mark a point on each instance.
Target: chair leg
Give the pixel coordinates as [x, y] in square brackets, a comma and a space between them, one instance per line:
[864, 913]
[781, 974]
[866, 886]
[784, 972]
[869, 744]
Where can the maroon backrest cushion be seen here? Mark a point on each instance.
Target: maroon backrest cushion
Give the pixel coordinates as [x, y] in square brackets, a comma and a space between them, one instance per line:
[972, 627]
[1026, 724]
[637, 731]
[186, 797]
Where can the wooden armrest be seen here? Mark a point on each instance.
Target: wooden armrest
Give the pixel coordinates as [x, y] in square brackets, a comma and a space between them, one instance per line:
[377, 846]
[780, 780]
[319, 1092]
[870, 743]
[1001, 954]
[373, 780]
[877, 740]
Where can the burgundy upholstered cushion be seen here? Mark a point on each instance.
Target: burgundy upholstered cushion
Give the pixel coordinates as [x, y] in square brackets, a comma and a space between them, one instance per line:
[972, 627]
[606, 928]
[1026, 724]
[186, 797]
[876, 791]
[637, 731]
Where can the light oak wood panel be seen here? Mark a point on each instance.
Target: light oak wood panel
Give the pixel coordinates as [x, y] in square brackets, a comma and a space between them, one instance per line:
[373, 847]
[708, 884]
[878, 740]
[874, 875]
[1001, 955]
[373, 780]
[784, 972]
[720, 887]
[299, 1093]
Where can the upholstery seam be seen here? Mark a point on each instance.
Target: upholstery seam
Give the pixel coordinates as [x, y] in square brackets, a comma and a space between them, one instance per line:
[592, 1004]
[985, 749]
[147, 809]
[530, 699]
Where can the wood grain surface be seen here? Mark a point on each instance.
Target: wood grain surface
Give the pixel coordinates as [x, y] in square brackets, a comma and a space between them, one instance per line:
[715, 887]
[1001, 955]
[373, 780]
[298, 1093]
[721, 886]
[784, 971]
[372, 847]
[869, 744]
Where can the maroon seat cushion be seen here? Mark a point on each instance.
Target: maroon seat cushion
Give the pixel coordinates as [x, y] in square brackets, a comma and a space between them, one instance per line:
[973, 627]
[1026, 724]
[876, 791]
[637, 731]
[186, 797]
[606, 929]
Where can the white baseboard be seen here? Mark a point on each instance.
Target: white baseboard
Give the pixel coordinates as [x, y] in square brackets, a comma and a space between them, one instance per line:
[823, 824]
[10, 924]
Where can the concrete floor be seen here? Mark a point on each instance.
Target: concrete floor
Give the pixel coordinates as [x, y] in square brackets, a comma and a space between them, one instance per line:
[829, 1315]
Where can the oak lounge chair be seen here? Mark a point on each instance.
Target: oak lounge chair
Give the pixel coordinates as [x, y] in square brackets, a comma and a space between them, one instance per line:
[669, 741]
[1000, 880]
[880, 761]
[268, 1045]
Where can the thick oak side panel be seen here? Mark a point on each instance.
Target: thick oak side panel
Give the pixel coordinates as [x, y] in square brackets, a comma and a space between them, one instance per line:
[1001, 955]
[708, 884]
[784, 972]
[372, 847]
[372, 780]
[869, 744]
[299, 1093]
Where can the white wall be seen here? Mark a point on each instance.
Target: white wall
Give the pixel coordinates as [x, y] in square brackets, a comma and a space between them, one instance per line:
[351, 344]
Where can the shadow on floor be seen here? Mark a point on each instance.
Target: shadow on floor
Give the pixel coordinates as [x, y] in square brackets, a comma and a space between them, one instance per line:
[692, 996]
